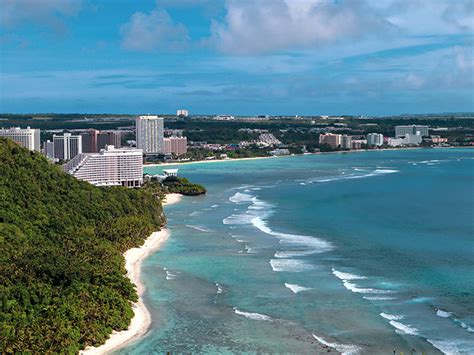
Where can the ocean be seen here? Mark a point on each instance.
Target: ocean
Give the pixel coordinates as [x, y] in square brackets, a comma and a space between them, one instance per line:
[369, 252]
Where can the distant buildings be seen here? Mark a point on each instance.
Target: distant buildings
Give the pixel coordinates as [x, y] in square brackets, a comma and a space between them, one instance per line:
[93, 140]
[176, 145]
[48, 149]
[436, 139]
[279, 152]
[150, 134]
[346, 142]
[408, 139]
[331, 139]
[110, 167]
[89, 141]
[268, 139]
[358, 143]
[182, 113]
[66, 146]
[26, 137]
[375, 139]
[224, 118]
[401, 131]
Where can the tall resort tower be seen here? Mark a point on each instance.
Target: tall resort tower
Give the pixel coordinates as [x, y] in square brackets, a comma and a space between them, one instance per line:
[150, 134]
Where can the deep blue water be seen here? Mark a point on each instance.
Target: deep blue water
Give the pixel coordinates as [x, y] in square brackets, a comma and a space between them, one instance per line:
[368, 252]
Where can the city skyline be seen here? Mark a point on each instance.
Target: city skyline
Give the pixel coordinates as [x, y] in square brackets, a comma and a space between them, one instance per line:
[244, 58]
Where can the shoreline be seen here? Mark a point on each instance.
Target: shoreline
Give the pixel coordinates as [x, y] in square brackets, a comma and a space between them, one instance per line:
[292, 155]
[141, 320]
[171, 199]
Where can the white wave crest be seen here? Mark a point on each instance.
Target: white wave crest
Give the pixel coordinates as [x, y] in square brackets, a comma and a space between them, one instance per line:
[378, 298]
[170, 275]
[198, 228]
[220, 288]
[296, 288]
[318, 245]
[344, 176]
[241, 198]
[391, 316]
[342, 348]
[347, 276]
[241, 218]
[290, 265]
[446, 347]
[254, 316]
[403, 328]
[294, 253]
[443, 314]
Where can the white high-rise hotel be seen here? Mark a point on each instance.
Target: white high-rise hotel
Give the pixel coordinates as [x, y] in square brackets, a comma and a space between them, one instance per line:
[375, 139]
[27, 137]
[110, 167]
[150, 134]
[67, 146]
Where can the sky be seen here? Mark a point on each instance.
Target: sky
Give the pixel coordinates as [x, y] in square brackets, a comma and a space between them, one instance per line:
[240, 57]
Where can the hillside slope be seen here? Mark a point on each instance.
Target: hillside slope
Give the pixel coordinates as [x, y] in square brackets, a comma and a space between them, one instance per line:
[62, 283]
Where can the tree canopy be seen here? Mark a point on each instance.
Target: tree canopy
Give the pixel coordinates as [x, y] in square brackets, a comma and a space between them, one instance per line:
[62, 272]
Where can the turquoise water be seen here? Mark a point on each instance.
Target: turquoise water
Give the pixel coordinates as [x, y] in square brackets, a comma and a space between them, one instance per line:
[369, 252]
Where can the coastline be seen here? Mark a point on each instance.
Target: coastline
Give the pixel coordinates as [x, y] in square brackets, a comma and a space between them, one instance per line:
[292, 155]
[171, 199]
[141, 320]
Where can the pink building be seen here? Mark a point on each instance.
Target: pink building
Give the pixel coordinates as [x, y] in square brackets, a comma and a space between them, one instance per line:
[331, 139]
[176, 145]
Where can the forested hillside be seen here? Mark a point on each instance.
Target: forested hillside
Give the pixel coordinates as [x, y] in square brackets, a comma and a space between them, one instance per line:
[62, 283]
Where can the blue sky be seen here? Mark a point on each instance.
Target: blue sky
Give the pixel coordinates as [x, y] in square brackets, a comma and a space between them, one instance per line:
[298, 57]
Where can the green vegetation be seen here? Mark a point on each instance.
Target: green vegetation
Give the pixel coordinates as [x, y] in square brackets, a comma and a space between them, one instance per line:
[183, 186]
[62, 274]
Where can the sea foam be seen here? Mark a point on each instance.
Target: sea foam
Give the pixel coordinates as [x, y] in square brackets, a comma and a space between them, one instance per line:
[316, 244]
[254, 316]
[296, 288]
[391, 316]
[342, 348]
[290, 265]
[198, 228]
[403, 328]
[346, 279]
[443, 314]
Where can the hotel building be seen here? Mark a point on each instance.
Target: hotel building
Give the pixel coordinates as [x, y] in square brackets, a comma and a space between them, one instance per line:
[331, 139]
[149, 133]
[67, 146]
[176, 145]
[182, 113]
[26, 137]
[401, 131]
[93, 140]
[375, 139]
[48, 149]
[110, 167]
[346, 142]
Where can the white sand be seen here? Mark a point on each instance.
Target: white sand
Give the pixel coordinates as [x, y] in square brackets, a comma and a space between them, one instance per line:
[210, 161]
[142, 319]
[171, 199]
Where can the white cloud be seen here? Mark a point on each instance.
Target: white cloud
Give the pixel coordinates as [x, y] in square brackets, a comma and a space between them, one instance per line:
[49, 13]
[270, 25]
[153, 31]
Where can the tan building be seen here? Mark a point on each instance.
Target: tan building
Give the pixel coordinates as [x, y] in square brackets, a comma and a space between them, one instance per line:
[176, 145]
[331, 139]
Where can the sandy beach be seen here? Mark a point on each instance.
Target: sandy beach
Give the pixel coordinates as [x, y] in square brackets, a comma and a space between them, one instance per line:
[141, 321]
[171, 199]
[208, 161]
[280, 156]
